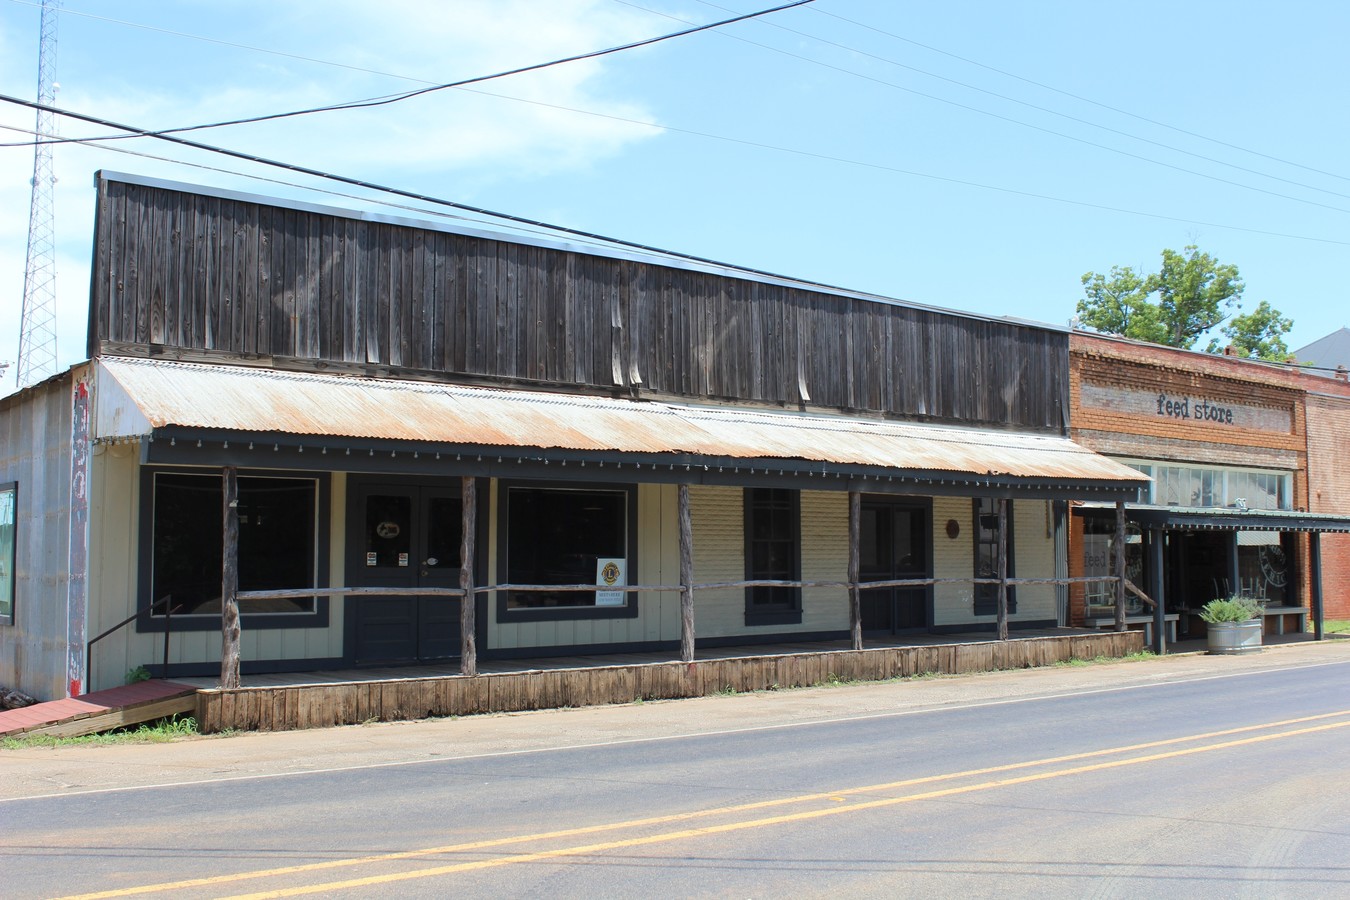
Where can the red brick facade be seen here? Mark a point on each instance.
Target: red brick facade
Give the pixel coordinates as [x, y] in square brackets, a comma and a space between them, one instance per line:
[1135, 400]
[1328, 416]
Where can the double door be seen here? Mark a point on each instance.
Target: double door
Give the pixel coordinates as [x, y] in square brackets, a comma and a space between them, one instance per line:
[894, 545]
[404, 536]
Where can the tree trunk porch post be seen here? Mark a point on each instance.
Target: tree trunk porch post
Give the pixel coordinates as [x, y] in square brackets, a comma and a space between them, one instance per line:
[854, 569]
[468, 602]
[686, 577]
[229, 581]
[1003, 569]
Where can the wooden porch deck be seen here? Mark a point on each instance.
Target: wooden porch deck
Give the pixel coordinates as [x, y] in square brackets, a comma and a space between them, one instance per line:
[350, 697]
[610, 660]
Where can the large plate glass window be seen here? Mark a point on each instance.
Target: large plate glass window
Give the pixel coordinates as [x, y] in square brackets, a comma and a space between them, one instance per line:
[277, 542]
[1263, 567]
[9, 514]
[565, 536]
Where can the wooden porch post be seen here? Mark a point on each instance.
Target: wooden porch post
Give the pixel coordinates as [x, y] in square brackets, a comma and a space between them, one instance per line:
[1315, 577]
[686, 578]
[1118, 544]
[468, 646]
[854, 569]
[1155, 589]
[229, 581]
[1003, 569]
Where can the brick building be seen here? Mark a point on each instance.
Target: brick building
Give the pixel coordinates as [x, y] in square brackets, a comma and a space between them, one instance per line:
[1248, 464]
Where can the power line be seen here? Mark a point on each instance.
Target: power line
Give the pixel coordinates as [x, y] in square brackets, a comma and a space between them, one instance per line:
[1029, 105]
[399, 192]
[646, 248]
[361, 198]
[407, 95]
[1009, 119]
[1082, 99]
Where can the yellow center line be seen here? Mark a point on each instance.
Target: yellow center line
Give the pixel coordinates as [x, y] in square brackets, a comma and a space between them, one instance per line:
[835, 795]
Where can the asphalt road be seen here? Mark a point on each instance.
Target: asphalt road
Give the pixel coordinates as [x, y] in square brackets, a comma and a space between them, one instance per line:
[1191, 776]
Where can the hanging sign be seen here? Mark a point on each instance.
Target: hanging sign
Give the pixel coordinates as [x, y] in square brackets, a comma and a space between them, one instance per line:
[609, 572]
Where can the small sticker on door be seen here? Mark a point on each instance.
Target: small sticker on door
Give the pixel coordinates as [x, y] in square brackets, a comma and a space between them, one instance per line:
[372, 558]
[403, 559]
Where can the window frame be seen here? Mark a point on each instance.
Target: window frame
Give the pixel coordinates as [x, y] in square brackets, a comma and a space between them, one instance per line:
[151, 623]
[788, 612]
[505, 614]
[988, 606]
[10, 576]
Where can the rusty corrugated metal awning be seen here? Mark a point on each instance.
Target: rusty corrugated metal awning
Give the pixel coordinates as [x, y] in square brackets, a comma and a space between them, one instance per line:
[139, 398]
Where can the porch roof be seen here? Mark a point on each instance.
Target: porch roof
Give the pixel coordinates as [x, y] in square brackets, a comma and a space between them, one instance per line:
[154, 400]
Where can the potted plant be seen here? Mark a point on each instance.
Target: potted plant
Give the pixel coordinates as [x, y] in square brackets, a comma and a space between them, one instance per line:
[1233, 625]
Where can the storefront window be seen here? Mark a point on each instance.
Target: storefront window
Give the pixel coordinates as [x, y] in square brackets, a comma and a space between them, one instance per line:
[986, 556]
[1262, 567]
[9, 494]
[773, 540]
[1099, 559]
[1177, 485]
[566, 536]
[277, 542]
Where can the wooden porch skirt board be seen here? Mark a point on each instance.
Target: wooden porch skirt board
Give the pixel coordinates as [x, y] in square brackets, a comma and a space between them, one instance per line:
[322, 706]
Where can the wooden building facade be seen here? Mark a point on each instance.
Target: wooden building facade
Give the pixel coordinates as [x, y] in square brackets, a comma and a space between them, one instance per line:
[601, 447]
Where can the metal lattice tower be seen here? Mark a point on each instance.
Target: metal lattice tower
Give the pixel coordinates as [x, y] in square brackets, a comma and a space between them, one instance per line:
[37, 337]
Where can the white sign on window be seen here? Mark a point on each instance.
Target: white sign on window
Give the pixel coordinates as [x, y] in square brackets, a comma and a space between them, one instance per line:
[608, 573]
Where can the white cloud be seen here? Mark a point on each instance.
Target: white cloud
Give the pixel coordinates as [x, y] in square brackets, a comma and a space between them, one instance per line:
[154, 80]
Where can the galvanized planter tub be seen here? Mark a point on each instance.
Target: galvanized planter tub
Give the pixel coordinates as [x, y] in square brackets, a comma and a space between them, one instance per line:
[1230, 638]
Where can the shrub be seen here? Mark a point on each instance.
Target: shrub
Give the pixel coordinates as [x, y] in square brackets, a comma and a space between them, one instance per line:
[1233, 609]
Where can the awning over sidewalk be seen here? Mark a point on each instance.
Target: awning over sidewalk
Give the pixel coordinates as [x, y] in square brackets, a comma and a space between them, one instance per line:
[1184, 518]
[159, 399]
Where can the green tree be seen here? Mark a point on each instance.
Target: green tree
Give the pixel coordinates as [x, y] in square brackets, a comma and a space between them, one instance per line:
[1258, 334]
[1195, 295]
[1120, 305]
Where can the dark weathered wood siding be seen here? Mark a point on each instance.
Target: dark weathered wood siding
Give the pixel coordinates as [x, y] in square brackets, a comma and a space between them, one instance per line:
[196, 276]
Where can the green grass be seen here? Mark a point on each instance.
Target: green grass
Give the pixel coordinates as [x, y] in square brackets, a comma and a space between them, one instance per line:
[158, 732]
[1336, 626]
[1107, 660]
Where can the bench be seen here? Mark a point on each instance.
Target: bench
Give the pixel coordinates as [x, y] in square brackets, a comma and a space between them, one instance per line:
[1108, 622]
[1279, 612]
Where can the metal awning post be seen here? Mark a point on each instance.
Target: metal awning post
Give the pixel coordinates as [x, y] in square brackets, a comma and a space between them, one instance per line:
[854, 569]
[1118, 544]
[468, 602]
[1315, 577]
[1155, 589]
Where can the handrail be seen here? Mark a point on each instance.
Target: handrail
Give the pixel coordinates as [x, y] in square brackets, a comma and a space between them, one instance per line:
[168, 621]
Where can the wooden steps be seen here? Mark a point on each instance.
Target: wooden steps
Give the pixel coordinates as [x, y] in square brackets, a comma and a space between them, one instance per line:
[116, 707]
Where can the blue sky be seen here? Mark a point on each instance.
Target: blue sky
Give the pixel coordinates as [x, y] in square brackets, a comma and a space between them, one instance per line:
[973, 155]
